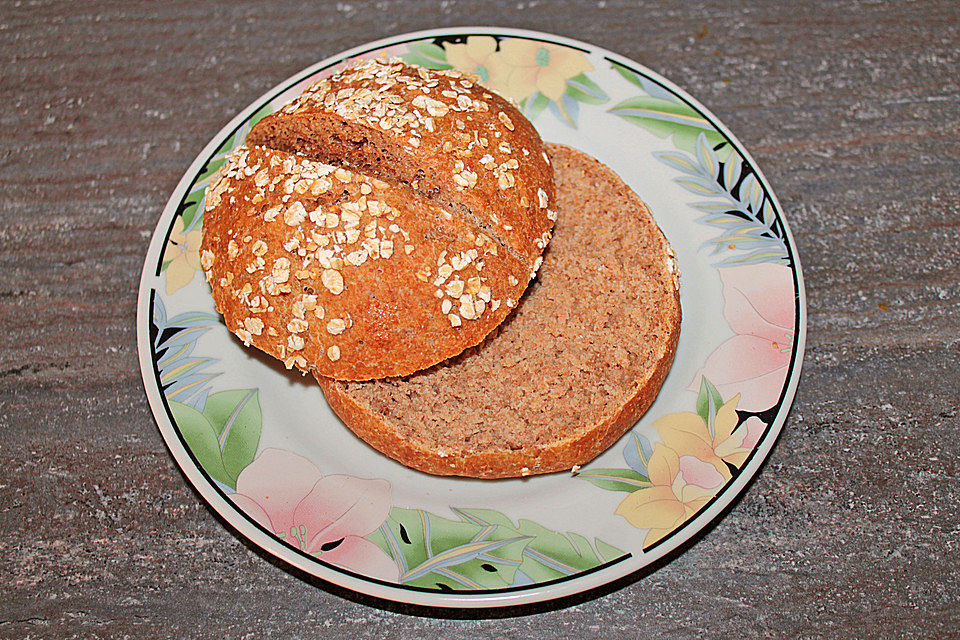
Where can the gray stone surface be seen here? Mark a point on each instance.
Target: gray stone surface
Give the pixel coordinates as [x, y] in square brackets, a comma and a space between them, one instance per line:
[852, 109]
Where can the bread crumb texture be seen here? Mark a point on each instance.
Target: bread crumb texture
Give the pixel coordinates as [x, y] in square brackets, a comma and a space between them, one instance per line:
[341, 258]
[571, 370]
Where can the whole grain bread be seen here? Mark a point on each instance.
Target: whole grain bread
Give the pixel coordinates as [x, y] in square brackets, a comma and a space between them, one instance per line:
[351, 270]
[567, 374]
[343, 277]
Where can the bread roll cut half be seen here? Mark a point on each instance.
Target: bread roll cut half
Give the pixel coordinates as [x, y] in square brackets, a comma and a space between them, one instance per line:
[385, 220]
[346, 275]
[567, 374]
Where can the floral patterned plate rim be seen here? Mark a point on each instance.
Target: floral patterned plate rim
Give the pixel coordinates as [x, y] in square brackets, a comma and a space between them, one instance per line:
[263, 449]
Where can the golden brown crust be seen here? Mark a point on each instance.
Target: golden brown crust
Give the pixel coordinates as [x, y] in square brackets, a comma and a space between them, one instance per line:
[558, 447]
[559, 455]
[332, 271]
[438, 131]
[356, 271]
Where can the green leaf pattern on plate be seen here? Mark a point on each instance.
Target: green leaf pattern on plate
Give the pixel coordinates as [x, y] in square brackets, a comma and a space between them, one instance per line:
[439, 553]
[548, 554]
[427, 54]
[225, 435]
[482, 550]
[667, 118]
[616, 479]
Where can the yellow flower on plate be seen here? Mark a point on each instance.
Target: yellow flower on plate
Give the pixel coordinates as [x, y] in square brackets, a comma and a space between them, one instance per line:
[539, 66]
[183, 254]
[688, 433]
[682, 485]
[689, 467]
[478, 55]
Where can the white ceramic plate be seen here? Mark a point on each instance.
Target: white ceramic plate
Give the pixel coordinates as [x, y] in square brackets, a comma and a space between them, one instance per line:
[264, 450]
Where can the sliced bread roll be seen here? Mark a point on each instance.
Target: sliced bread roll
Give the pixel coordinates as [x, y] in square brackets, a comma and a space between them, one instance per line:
[568, 373]
[450, 139]
[346, 275]
[385, 220]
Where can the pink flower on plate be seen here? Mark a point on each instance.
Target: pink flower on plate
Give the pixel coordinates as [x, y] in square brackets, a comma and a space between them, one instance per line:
[758, 303]
[326, 516]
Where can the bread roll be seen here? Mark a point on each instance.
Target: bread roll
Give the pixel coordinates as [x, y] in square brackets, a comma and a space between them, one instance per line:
[567, 374]
[356, 269]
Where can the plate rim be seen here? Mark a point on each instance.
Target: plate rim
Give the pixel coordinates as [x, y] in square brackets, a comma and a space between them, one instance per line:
[339, 578]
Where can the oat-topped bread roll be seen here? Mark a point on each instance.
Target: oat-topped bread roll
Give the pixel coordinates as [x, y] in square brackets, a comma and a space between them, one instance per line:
[385, 220]
[450, 139]
[346, 275]
[574, 367]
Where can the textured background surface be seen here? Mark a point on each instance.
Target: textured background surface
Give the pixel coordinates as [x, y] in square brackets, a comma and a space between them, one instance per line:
[852, 109]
